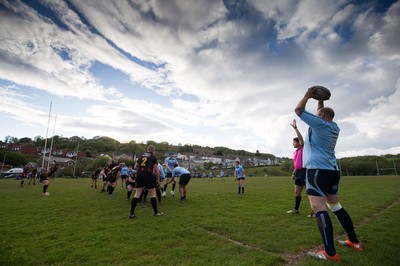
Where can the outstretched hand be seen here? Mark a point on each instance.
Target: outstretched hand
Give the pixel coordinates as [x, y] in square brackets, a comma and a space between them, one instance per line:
[294, 124]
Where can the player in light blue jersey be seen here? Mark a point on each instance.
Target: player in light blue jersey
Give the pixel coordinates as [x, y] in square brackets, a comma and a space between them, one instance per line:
[170, 163]
[184, 178]
[239, 175]
[323, 176]
[123, 174]
[130, 182]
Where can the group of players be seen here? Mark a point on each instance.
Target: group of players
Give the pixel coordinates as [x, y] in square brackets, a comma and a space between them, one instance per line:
[146, 177]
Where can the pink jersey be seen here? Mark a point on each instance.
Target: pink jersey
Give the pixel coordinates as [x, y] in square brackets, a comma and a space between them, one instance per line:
[298, 159]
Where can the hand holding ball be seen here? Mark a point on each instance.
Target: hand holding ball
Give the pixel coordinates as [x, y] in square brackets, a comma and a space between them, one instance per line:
[320, 93]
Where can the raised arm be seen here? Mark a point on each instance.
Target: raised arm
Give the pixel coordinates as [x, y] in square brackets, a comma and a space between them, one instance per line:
[301, 106]
[299, 136]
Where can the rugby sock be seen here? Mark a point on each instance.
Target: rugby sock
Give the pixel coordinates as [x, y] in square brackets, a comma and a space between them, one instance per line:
[153, 202]
[173, 187]
[111, 190]
[22, 182]
[242, 189]
[134, 204]
[238, 190]
[158, 192]
[325, 227]
[165, 187]
[45, 188]
[128, 196]
[141, 197]
[297, 202]
[345, 220]
[108, 189]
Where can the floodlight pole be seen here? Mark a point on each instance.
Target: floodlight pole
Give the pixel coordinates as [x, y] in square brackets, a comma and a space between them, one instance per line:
[76, 158]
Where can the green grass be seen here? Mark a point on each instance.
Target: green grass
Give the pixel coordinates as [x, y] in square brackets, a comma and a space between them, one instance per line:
[77, 225]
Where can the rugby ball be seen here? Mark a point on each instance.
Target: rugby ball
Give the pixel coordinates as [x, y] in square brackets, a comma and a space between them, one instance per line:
[321, 93]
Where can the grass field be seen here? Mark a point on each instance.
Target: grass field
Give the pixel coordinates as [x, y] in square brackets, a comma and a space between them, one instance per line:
[77, 225]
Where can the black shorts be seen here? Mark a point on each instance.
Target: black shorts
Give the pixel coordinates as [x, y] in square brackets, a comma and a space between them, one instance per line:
[168, 175]
[184, 179]
[300, 177]
[146, 181]
[322, 182]
[128, 183]
[111, 178]
[124, 177]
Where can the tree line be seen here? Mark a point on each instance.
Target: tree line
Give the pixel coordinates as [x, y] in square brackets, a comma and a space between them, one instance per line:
[351, 166]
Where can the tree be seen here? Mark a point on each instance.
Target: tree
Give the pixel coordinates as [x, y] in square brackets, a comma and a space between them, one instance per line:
[12, 158]
[10, 139]
[25, 140]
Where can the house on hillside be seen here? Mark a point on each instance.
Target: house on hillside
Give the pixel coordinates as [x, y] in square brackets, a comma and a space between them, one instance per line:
[25, 148]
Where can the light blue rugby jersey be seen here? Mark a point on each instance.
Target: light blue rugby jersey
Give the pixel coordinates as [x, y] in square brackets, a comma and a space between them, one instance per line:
[239, 170]
[161, 170]
[124, 170]
[178, 171]
[171, 162]
[319, 143]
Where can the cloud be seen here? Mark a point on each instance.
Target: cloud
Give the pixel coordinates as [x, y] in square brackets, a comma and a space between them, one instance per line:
[213, 73]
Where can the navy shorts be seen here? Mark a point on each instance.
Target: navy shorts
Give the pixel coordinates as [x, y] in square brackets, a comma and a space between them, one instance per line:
[184, 179]
[168, 175]
[322, 182]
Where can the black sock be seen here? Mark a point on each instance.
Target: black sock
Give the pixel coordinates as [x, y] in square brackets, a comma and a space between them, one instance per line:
[22, 182]
[141, 197]
[165, 187]
[108, 188]
[134, 204]
[128, 196]
[297, 202]
[345, 220]
[158, 192]
[173, 187]
[153, 202]
[325, 227]
[111, 190]
[238, 190]
[45, 188]
[242, 189]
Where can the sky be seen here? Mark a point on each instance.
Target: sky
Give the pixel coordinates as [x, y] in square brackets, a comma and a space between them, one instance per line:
[210, 73]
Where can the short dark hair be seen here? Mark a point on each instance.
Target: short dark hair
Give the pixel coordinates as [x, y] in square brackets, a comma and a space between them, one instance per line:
[328, 112]
[296, 139]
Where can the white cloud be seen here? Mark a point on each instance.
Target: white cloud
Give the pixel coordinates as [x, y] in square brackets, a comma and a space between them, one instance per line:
[219, 80]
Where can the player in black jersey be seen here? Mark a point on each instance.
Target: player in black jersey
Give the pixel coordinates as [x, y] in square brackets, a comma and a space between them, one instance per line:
[45, 177]
[147, 176]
